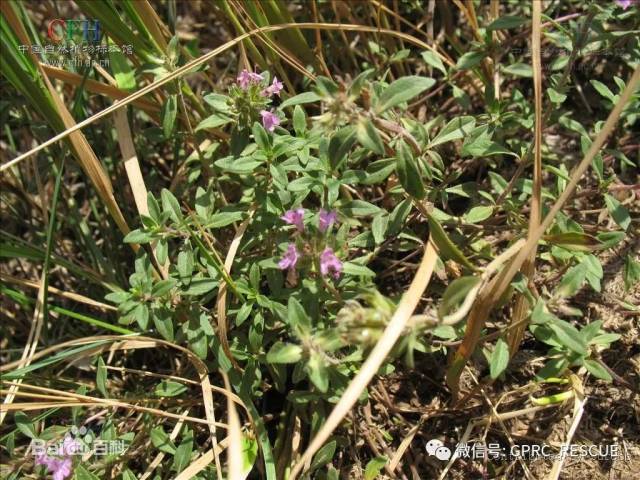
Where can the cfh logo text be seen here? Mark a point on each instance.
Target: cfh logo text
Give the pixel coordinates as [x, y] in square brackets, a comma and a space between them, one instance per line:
[70, 29]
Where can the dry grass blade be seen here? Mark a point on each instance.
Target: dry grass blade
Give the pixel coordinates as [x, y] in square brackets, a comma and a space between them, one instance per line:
[579, 402]
[514, 336]
[94, 86]
[490, 296]
[85, 154]
[68, 295]
[134, 174]
[376, 358]
[131, 164]
[201, 463]
[123, 343]
[30, 347]
[234, 453]
[203, 59]
[151, 20]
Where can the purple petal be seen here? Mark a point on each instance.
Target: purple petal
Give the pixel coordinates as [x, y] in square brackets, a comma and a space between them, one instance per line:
[327, 218]
[330, 264]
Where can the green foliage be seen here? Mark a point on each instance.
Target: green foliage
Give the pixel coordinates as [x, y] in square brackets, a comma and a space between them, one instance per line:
[382, 147]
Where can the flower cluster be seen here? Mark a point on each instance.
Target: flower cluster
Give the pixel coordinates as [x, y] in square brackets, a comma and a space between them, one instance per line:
[60, 468]
[255, 94]
[329, 263]
[625, 3]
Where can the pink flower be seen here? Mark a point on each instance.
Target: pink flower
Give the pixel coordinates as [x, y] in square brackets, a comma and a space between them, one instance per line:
[294, 217]
[290, 258]
[327, 218]
[273, 89]
[246, 78]
[70, 445]
[624, 3]
[44, 459]
[329, 263]
[269, 120]
[255, 77]
[61, 468]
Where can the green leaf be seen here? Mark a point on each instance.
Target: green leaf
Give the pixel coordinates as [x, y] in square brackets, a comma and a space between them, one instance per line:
[124, 73]
[568, 335]
[25, 425]
[117, 297]
[576, 241]
[617, 211]
[222, 219]
[81, 473]
[360, 208]
[572, 280]
[379, 227]
[603, 90]
[170, 204]
[299, 120]
[478, 214]
[154, 207]
[339, 146]
[220, 103]
[164, 323]
[162, 251]
[213, 121]
[403, 90]
[445, 246]
[261, 137]
[240, 165]
[469, 60]
[249, 454]
[161, 441]
[456, 129]
[351, 268]
[631, 272]
[434, 60]
[553, 368]
[519, 70]
[317, 371]
[408, 172]
[284, 353]
[138, 236]
[499, 358]
[141, 315]
[369, 137]
[168, 114]
[605, 339]
[169, 388]
[101, 378]
[324, 455]
[200, 286]
[374, 467]
[306, 97]
[506, 22]
[182, 458]
[129, 475]
[296, 315]
[556, 96]
[597, 370]
[185, 264]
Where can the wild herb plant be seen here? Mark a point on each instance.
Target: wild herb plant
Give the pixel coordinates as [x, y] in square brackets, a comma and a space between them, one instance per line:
[285, 228]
